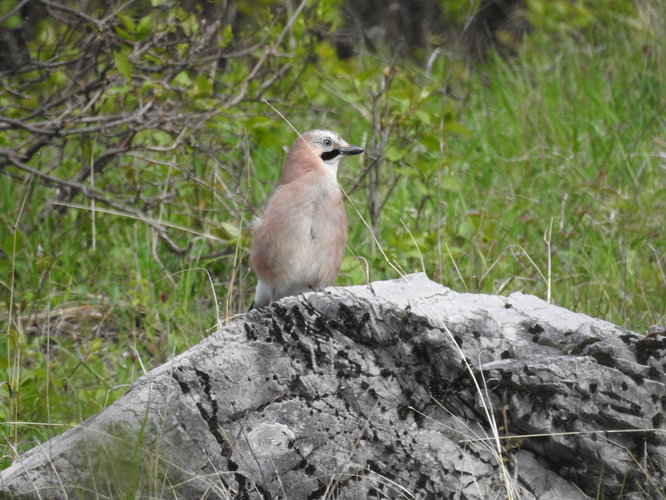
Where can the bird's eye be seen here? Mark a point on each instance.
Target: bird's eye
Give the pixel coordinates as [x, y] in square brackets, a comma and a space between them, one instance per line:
[327, 143]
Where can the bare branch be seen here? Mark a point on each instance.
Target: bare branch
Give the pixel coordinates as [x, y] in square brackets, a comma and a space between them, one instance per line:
[78, 13]
[94, 194]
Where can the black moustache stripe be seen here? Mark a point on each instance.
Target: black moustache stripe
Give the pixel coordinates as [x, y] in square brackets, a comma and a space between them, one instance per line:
[329, 155]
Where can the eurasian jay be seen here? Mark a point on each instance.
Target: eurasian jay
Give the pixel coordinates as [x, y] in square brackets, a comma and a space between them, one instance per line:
[299, 243]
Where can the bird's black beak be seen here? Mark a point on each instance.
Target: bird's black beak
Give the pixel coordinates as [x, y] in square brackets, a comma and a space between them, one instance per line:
[351, 150]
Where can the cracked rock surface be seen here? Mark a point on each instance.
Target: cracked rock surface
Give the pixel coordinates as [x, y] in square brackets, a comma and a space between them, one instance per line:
[390, 390]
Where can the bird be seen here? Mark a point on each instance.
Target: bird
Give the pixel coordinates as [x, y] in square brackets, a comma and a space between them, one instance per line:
[299, 243]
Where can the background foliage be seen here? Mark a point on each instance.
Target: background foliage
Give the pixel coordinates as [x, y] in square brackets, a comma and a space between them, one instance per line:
[136, 145]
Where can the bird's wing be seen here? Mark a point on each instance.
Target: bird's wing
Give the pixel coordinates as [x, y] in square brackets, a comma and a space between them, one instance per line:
[282, 232]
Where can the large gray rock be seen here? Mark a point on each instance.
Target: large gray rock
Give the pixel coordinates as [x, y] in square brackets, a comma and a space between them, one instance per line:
[398, 389]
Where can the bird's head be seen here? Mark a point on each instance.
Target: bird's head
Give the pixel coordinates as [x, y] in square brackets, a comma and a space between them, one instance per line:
[316, 149]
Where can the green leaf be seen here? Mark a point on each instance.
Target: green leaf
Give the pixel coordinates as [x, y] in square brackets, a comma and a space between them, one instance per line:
[425, 93]
[206, 103]
[450, 183]
[182, 79]
[407, 171]
[227, 35]
[59, 78]
[259, 121]
[422, 116]
[231, 229]
[14, 21]
[202, 86]
[457, 128]
[395, 154]
[143, 28]
[127, 22]
[431, 142]
[123, 64]
[402, 104]
[466, 229]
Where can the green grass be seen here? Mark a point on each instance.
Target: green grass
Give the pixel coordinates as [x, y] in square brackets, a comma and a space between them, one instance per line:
[486, 175]
[570, 139]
